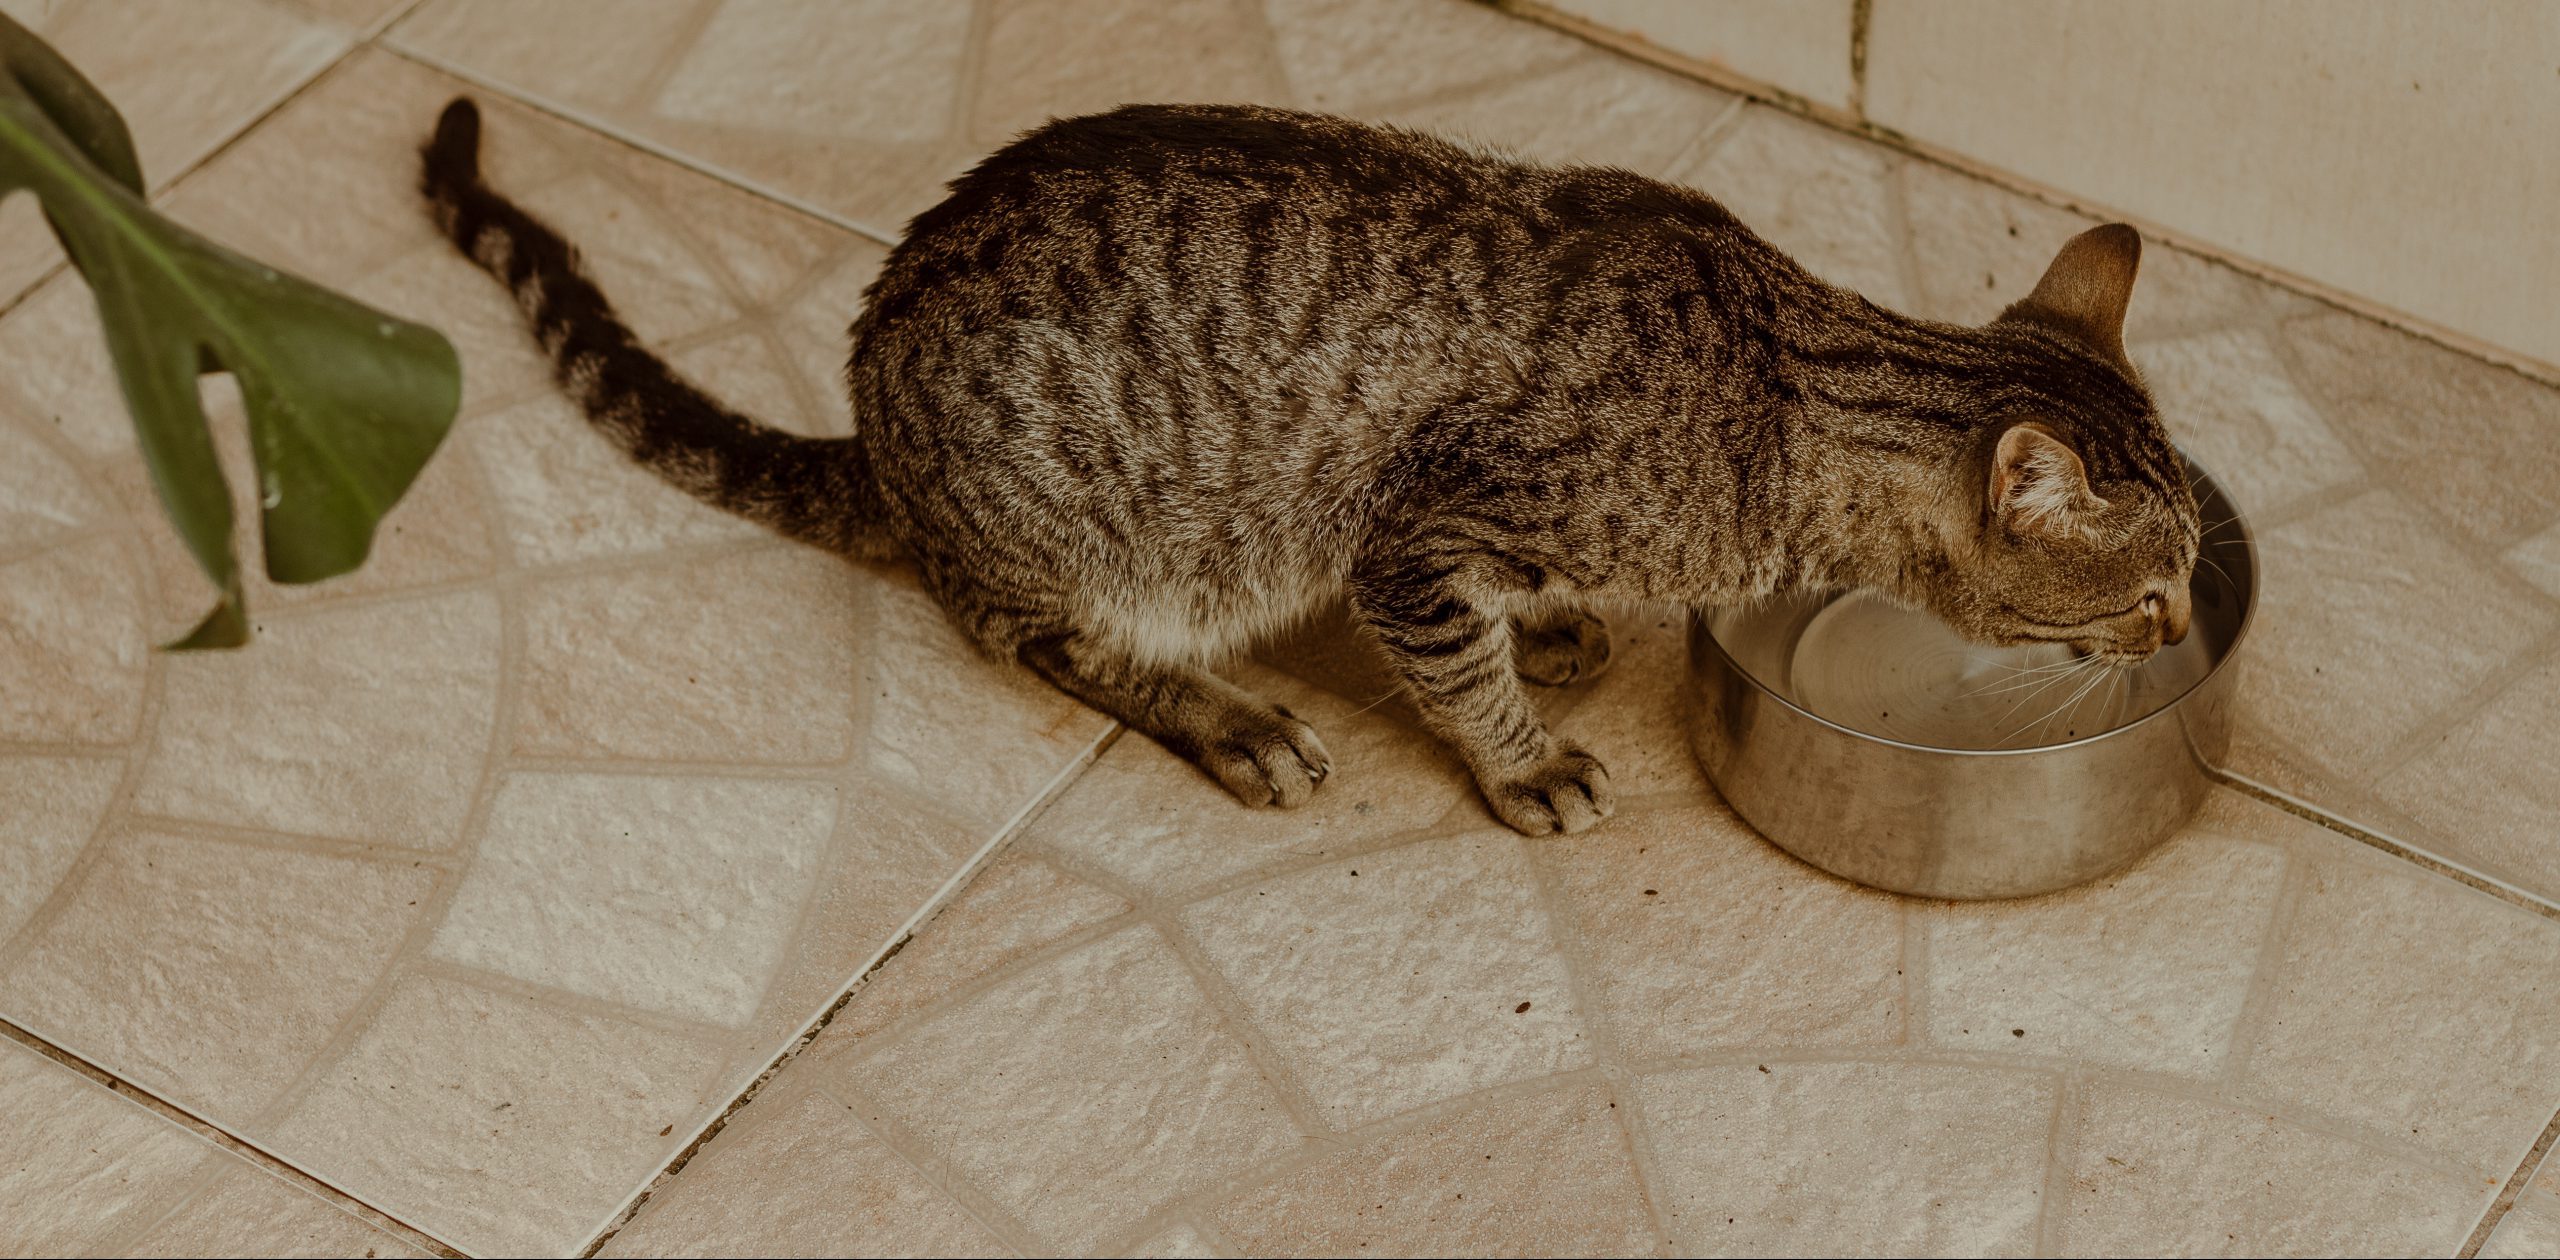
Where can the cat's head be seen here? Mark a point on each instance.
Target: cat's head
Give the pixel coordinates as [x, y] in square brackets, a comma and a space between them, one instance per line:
[2073, 520]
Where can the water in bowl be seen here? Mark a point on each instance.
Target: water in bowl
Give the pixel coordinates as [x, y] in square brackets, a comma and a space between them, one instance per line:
[1874, 666]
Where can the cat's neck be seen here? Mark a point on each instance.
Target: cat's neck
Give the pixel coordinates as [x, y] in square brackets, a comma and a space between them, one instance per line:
[1882, 427]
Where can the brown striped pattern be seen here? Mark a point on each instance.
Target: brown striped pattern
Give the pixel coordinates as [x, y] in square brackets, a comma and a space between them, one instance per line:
[1151, 384]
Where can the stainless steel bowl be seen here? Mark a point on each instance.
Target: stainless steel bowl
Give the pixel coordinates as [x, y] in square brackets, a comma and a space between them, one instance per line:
[1868, 742]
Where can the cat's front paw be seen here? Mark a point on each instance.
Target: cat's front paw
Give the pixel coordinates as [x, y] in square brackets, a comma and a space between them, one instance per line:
[1268, 758]
[1567, 792]
[1571, 647]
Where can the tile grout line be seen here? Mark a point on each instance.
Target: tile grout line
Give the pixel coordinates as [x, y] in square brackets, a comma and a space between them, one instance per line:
[2061, 1148]
[2291, 880]
[1861, 18]
[864, 1112]
[356, 40]
[2516, 1183]
[604, 128]
[1639, 49]
[710, 1127]
[2467, 707]
[2421, 858]
[1365, 1137]
[416, 944]
[1564, 931]
[223, 1138]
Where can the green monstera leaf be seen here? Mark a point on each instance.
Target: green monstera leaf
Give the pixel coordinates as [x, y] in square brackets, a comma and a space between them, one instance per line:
[345, 403]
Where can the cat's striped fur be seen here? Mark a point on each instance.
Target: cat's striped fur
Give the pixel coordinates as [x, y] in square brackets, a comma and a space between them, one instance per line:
[1153, 383]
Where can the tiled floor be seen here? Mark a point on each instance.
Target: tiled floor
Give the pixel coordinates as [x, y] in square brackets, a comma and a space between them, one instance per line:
[496, 872]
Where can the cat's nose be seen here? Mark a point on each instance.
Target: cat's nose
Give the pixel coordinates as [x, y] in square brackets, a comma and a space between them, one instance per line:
[2172, 614]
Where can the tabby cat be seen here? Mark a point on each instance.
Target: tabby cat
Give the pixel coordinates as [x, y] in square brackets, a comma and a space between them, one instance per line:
[1152, 384]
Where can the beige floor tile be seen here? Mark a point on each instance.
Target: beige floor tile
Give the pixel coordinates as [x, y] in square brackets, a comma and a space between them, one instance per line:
[357, 16]
[873, 139]
[212, 971]
[1636, 717]
[2463, 439]
[2161, 1175]
[982, 736]
[1393, 980]
[248, 1212]
[628, 42]
[1347, 56]
[49, 809]
[1081, 1094]
[1815, 1158]
[1801, 48]
[2367, 581]
[2530, 1229]
[496, 1123]
[1824, 198]
[2537, 560]
[1694, 935]
[435, 285]
[1978, 247]
[28, 250]
[2485, 787]
[1149, 818]
[748, 371]
[1546, 1174]
[1595, 110]
[349, 143]
[2146, 969]
[437, 533]
[891, 855]
[1178, 1243]
[72, 645]
[658, 276]
[77, 1163]
[187, 74]
[40, 495]
[1060, 58]
[894, 68]
[1011, 910]
[741, 655]
[666, 894]
[814, 321]
[566, 494]
[2414, 1007]
[364, 723]
[59, 372]
[803, 1179]
[759, 251]
[2227, 399]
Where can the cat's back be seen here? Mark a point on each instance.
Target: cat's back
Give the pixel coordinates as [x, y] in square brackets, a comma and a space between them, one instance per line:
[1259, 234]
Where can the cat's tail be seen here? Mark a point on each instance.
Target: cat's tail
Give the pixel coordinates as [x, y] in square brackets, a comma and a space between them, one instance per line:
[818, 490]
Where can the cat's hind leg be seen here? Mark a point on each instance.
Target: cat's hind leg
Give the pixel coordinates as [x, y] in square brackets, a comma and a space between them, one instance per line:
[1258, 750]
[1559, 644]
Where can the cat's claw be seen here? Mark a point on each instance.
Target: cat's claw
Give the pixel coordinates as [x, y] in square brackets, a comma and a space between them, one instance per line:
[1568, 792]
[1274, 759]
[1571, 648]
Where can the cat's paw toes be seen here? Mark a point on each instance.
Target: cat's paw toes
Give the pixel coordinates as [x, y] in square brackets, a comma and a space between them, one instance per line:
[1268, 759]
[1568, 792]
[1572, 648]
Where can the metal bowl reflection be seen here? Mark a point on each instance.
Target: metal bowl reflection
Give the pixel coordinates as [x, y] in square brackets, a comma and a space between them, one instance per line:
[1868, 741]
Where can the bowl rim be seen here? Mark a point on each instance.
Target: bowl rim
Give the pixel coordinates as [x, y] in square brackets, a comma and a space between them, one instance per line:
[2238, 521]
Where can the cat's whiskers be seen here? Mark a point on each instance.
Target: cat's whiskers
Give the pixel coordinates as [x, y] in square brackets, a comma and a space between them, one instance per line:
[2024, 677]
[2046, 687]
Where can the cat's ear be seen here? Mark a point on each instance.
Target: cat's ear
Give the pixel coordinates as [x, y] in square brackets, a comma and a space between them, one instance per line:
[2038, 484]
[2085, 291]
